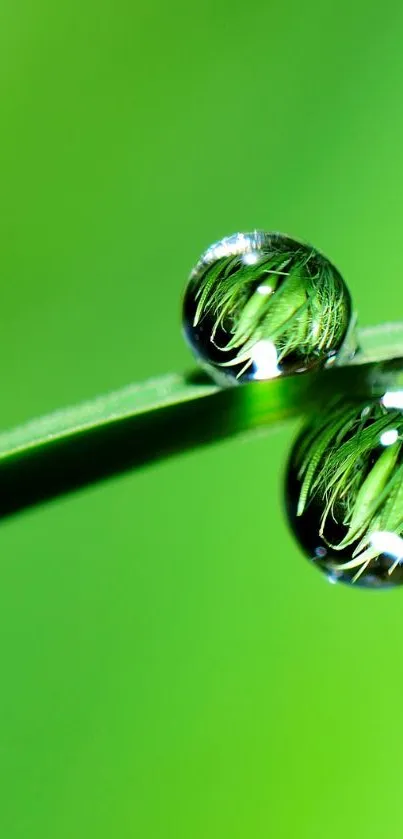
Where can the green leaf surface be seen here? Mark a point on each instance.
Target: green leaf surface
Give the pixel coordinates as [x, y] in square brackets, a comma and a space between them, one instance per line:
[144, 422]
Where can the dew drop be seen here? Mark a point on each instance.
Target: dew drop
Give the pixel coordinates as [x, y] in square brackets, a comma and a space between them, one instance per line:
[344, 493]
[260, 305]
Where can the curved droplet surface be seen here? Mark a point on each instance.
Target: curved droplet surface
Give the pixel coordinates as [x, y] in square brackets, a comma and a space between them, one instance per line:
[259, 305]
[344, 493]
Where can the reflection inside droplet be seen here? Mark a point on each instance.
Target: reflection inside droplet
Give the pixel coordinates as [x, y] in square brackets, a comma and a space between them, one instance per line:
[345, 492]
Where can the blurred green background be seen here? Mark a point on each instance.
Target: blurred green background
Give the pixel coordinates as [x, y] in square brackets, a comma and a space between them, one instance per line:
[170, 664]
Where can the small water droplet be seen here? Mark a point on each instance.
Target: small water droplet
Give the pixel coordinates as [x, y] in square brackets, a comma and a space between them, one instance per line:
[344, 493]
[260, 305]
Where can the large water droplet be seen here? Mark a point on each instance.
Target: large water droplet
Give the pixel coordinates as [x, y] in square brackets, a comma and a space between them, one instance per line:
[259, 305]
[344, 493]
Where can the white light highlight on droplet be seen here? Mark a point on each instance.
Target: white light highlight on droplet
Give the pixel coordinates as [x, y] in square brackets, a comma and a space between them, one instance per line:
[264, 289]
[229, 246]
[386, 542]
[389, 437]
[264, 357]
[250, 258]
[393, 399]
[389, 543]
[315, 328]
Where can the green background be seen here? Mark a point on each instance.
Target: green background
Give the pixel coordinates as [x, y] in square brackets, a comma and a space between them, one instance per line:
[170, 665]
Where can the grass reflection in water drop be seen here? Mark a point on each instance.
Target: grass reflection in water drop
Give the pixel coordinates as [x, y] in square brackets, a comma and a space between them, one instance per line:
[345, 493]
[257, 290]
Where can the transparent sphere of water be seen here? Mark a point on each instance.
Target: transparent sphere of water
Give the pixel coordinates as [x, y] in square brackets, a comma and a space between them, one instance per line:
[259, 305]
[344, 492]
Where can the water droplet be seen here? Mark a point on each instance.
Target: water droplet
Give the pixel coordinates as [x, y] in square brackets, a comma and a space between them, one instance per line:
[260, 305]
[344, 493]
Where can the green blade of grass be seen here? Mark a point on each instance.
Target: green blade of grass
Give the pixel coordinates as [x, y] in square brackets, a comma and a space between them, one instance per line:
[145, 422]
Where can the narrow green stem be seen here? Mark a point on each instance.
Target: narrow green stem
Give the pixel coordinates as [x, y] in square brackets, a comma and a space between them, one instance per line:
[145, 422]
